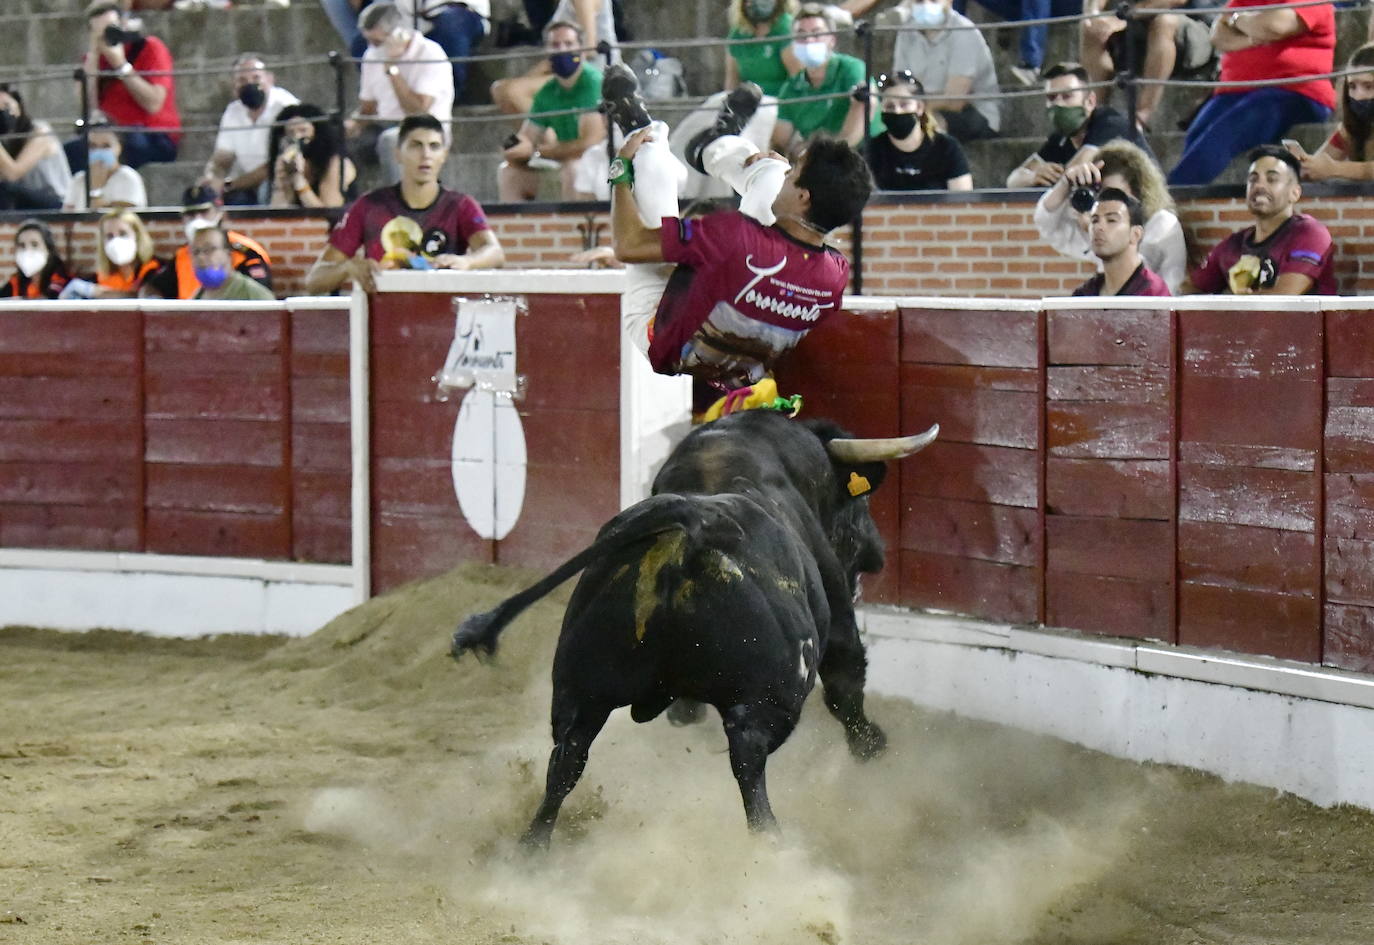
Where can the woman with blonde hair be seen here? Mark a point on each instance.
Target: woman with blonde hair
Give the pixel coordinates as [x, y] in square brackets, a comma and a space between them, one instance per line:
[767, 64]
[913, 153]
[1349, 153]
[124, 259]
[1061, 214]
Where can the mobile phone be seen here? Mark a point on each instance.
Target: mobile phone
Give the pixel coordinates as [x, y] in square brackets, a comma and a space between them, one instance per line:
[1292, 145]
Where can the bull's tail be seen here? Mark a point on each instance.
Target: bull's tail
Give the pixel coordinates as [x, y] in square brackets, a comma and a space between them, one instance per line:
[479, 632]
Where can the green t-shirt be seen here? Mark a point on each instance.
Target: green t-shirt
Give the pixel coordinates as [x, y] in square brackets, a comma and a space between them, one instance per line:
[585, 93]
[841, 75]
[761, 63]
[241, 289]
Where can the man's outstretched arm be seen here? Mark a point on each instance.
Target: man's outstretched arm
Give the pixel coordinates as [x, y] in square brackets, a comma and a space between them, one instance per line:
[633, 241]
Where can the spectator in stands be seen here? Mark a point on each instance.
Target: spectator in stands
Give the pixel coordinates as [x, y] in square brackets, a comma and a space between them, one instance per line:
[1081, 126]
[213, 265]
[949, 57]
[124, 259]
[202, 209]
[458, 27]
[1117, 227]
[33, 168]
[128, 78]
[1122, 166]
[913, 154]
[402, 74]
[824, 72]
[113, 183]
[418, 224]
[237, 168]
[1257, 43]
[595, 19]
[576, 84]
[1158, 46]
[1284, 253]
[1033, 38]
[1349, 154]
[767, 65]
[307, 168]
[40, 272]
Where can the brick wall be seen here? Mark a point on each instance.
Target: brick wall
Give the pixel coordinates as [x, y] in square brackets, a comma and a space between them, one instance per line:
[975, 248]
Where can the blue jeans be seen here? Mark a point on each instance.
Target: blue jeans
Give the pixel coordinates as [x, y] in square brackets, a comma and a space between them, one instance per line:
[1232, 124]
[140, 147]
[1033, 38]
[455, 28]
[345, 20]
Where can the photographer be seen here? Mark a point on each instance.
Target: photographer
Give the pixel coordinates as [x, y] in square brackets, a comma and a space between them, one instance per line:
[127, 77]
[306, 169]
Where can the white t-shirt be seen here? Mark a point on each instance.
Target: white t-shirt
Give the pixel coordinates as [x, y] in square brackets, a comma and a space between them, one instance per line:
[247, 138]
[124, 186]
[946, 52]
[1162, 244]
[424, 67]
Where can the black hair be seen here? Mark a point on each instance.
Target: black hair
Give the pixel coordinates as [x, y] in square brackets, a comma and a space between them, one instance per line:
[1357, 129]
[18, 137]
[322, 148]
[1279, 153]
[1134, 210]
[217, 228]
[56, 264]
[415, 123]
[838, 179]
[1066, 68]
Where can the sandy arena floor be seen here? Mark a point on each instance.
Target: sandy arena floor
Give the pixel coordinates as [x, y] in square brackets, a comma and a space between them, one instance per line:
[359, 787]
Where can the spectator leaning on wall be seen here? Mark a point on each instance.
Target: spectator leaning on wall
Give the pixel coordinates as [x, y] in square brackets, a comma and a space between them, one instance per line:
[213, 264]
[952, 61]
[40, 271]
[203, 208]
[1349, 153]
[238, 167]
[1284, 253]
[1117, 224]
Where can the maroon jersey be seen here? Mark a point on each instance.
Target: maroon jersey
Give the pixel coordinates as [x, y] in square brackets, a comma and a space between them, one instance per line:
[1142, 282]
[1300, 245]
[446, 225]
[742, 295]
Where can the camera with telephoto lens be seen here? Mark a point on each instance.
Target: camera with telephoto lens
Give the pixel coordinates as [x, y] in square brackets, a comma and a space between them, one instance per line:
[117, 36]
[1083, 197]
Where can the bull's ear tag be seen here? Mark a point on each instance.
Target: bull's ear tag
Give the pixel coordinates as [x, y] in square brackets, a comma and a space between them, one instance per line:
[858, 485]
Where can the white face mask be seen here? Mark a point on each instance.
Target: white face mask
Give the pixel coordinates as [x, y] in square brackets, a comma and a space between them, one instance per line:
[812, 54]
[121, 250]
[927, 13]
[31, 261]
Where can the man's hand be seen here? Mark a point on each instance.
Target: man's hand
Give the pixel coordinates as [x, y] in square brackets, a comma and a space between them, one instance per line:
[1319, 166]
[451, 261]
[520, 152]
[764, 155]
[114, 55]
[1084, 174]
[1101, 28]
[631, 145]
[364, 271]
[1047, 174]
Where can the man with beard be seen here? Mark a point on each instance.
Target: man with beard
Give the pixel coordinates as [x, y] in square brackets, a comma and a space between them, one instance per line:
[1118, 223]
[1284, 253]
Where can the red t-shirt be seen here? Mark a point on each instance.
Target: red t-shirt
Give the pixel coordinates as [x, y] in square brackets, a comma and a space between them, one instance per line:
[1312, 53]
[113, 97]
[743, 294]
[1300, 245]
[447, 224]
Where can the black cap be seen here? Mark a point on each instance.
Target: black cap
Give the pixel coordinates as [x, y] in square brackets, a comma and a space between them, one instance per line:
[200, 198]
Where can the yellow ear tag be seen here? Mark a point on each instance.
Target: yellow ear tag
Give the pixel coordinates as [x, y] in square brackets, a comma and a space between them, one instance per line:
[858, 485]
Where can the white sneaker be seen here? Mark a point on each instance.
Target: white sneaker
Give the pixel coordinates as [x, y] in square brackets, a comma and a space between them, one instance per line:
[1026, 75]
[280, 4]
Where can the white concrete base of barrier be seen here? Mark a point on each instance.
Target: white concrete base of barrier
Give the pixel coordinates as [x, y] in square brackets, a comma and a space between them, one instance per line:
[1289, 726]
[170, 596]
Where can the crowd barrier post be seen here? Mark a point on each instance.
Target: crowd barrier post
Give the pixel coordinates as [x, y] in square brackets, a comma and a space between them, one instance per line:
[84, 124]
[864, 30]
[336, 62]
[1125, 76]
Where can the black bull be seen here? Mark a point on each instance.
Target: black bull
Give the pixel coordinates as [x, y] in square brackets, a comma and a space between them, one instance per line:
[731, 585]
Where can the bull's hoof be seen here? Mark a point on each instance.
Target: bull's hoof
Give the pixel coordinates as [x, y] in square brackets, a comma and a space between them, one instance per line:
[866, 741]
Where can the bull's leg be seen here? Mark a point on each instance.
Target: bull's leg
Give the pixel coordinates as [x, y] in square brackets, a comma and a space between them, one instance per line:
[574, 730]
[752, 740]
[842, 673]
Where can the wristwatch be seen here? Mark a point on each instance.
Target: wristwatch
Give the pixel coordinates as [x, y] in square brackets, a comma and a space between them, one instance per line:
[125, 70]
[393, 71]
[621, 170]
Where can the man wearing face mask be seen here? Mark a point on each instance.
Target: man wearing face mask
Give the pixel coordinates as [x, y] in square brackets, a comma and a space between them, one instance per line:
[561, 138]
[212, 260]
[1080, 126]
[952, 62]
[824, 72]
[203, 210]
[238, 165]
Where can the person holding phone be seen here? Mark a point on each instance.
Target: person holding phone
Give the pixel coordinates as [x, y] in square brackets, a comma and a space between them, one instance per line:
[1349, 153]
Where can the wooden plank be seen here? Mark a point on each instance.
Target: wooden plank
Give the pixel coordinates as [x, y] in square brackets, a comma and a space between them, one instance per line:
[406, 375]
[214, 397]
[827, 383]
[1108, 337]
[208, 363]
[585, 438]
[992, 338]
[1348, 642]
[407, 547]
[1108, 606]
[414, 486]
[321, 446]
[1108, 431]
[1222, 410]
[319, 332]
[215, 442]
[93, 483]
[320, 400]
[995, 474]
[76, 332]
[971, 530]
[1136, 550]
[971, 377]
[412, 319]
[230, 333]
[1350, 505]
[551, 546]
[1349, 439]
[260, 490]
[1130, 488]
[218, 534]
[306, 364]
[570, 351]
[1250, 345]
[121, 363]
[1350, 343]
[321, 540]
[322, 493]
[1259, 559]
[1133, 384]
[1350, 571]
[1245, 621]
[562, 494]
[80, 398]
[73, 527]
[69, 441]
[1350, 392]
[983, 589]
[1268, 498]
[884, 587]
[1231, 454]
[991, 417]
[413, 432]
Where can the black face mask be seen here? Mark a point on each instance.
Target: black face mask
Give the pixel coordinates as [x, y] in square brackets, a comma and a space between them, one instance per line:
[1362, 109]
[899, 124]
[7, 121]
[253, 96]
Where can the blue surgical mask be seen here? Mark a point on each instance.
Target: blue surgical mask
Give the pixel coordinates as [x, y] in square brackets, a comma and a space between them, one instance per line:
[103, 156]
[565, 63]
[812, 54]
[927, 14]
[212, 277]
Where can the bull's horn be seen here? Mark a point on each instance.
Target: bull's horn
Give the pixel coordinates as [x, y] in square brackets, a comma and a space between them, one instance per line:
[874, 451]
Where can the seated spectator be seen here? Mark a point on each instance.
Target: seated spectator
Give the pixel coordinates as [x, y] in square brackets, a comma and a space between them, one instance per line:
[1118, 225]
[1349, 154]
[1161, 46]
[40, 272]
[402, 74]
[213, 265]
[420, 224]
[202, 208]
[949, 57]
[1284, 253]
[595, 19]
[563, 138]
[124, 259]
[1256, 43]
[1122, 166]
[306, 167]
[824, 72]
[113, 183]
[913, 154]
[128, 78]
[33, 168]
[767, 65]
[237, 168]
[458, 27]
[1081, 126]
[1033, 38]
